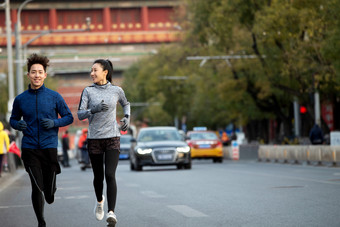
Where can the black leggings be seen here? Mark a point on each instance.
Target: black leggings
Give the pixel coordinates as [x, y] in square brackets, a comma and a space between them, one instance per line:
[43, 187]
[110, 159]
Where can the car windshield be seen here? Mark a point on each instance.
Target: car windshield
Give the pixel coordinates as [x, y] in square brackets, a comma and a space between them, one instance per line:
[125, 139]
[158, 135]
[203, 136]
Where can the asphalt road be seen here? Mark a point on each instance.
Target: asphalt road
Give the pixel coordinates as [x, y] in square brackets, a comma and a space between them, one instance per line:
[243, 193]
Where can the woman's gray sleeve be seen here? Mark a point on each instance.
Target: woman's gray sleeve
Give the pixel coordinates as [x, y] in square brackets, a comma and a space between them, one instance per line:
[83, 111]
[124, 103]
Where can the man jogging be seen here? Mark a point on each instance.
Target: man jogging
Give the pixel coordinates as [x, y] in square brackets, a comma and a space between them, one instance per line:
[35, 113]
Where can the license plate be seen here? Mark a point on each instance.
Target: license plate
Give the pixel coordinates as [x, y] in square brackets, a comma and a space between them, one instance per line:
[205, 146]
[123, 156]
[164, 157]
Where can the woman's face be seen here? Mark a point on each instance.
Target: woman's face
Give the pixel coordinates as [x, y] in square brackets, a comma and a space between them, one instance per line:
[98, 75]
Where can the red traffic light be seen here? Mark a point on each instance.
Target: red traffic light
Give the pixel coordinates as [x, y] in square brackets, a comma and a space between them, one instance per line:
[303, 109]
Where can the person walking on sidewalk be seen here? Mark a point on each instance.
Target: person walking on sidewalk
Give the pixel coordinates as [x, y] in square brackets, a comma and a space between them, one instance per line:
[4, 144]
[98, 103]
[82, 145]
[35, 113]
[66, 146]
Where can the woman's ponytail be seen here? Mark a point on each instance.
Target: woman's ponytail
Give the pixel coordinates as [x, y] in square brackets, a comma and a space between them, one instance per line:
[107, 65]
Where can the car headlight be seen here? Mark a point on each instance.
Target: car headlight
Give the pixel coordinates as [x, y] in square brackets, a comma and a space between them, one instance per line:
[144, 151]
[185, 149]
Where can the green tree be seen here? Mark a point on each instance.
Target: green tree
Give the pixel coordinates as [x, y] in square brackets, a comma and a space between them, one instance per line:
[296, 44]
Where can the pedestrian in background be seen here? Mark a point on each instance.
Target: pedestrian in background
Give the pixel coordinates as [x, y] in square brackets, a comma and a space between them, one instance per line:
[66, 146]
[316, 135]
[4, 144]
[98, 103]
[82, 145]
[35, 113]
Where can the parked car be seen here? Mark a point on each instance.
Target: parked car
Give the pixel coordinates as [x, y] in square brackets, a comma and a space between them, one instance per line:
[157, 146]
[205, 144]
[125, 146]
[60, 151]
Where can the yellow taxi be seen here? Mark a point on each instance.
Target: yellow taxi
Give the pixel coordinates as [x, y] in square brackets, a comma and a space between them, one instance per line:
[205, 144]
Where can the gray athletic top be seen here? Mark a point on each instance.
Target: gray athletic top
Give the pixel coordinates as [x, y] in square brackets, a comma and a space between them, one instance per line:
[102, 124]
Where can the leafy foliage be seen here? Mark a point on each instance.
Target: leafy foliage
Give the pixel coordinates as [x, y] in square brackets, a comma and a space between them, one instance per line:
[296, 44]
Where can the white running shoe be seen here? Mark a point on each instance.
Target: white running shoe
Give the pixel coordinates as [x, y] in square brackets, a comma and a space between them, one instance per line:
[99, 210]
[111, 219]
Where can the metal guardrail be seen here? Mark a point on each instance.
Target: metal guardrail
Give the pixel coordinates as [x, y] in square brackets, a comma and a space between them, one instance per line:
[299, 153]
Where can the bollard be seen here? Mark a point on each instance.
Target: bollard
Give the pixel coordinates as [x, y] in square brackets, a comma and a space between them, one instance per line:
[296, 161]
[276, 156]
[267, 156]
[334, 158]
[285, 156]
[320, 158]
[308, 161]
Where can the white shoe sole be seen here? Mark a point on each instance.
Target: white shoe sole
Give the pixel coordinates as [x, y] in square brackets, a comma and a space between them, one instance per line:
[111, 221]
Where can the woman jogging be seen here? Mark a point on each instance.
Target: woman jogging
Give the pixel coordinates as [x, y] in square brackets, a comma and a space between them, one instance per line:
[35, 113]
[98, 103]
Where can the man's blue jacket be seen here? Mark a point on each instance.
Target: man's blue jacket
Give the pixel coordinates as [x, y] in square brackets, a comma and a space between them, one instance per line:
[34, 105]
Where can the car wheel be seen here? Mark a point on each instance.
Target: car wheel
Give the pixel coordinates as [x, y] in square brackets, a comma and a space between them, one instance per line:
[132, 167]
[187, 166]
[138, 167]
[179, 166]
[220, 160]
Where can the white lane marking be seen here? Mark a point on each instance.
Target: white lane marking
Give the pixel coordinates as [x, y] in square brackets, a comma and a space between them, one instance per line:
[152, 194]
[287, 177]
[187, 211]
[14, 206]
[133, 185]
[69, 197]
[72, 197]
[68, 188]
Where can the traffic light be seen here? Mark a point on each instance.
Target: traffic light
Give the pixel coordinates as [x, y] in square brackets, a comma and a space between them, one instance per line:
[303, 109]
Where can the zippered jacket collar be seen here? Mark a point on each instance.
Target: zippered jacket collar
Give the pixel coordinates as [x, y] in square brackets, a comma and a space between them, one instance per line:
[42, 88]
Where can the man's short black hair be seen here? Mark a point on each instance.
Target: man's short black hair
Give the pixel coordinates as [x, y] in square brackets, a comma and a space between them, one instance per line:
[37, 59]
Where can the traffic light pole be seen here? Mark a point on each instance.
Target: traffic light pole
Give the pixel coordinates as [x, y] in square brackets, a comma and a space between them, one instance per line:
[296, 118]
[317, 108]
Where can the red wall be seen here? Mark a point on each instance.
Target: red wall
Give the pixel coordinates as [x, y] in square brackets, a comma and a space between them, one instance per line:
[128, 25]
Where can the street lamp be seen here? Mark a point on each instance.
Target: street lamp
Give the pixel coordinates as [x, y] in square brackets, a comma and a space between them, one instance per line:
[88, 23]
[20, 82]
[9, 51]
[10, 156]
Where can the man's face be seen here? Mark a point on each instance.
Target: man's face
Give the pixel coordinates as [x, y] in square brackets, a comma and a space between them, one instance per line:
[37, 76]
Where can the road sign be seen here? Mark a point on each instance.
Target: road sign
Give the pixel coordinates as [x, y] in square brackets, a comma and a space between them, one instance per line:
[235, 150]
